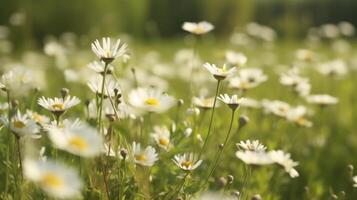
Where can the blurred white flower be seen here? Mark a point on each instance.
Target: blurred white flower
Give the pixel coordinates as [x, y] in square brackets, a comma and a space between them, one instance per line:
[254, 157]
[40, 119]
[346, 28]
[80, 139]
[99, 66]
[150, 100]
[298, 116]
[187, 161]
[145, 157]
[22, 125]
[250, 103]
[322, 99]
[247, 78]
[111, 86]
[276, 107]
[161, 135]
[203, 103]
[197, 28]
[354, 179]
[57, 180]
[236, 59]
[333, 68]
[219, 73]
[107, 51]
[305, 55]
[283, 159]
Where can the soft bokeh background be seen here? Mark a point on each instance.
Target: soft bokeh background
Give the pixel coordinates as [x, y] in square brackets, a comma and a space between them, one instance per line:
[163, 18]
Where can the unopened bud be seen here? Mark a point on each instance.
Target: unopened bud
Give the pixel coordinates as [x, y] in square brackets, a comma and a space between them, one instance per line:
[243, 120]
[64, 92]
[236, 194]
[221, 146]
[14, 103]
[256, 197]
[230, 179]
[123, 153]
[180, 102]
[222, 182]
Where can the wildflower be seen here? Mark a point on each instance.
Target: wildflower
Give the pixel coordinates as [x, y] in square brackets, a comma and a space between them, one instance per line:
[145, 157]
[150, 100]
[57, 180]
[249, 145]
[250, 103]
[111, 86]
[285, 161]
[297, 115]
[333, 68]
[77, 138]
[305, 55]
[58, 105]
[354, 179]
[197, 28]
[254, 157]
[247, 79]
[237, 59]
[99, 67]
[276, 107]
[22, 125]
[299, 84]
[203, 103]
[187, 162]
[322, 99]
[39, 119]
[161, 135]
[107, 52]
[233, 102]
[219, 73]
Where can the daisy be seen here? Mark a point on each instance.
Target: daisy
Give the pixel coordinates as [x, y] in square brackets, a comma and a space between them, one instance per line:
[39, 119]
[253, 145]
[285, 161]
[304, 55]
[276, 107]
[79, 139]
[99, 67]
[187, 161]
[151, 100]
[203, 103]
[247, 79]
[161, 135]
[233, 102]
[22, 125]
[107, 51]
[237, 59]
[145, 157]
[254, 157]
[57, 180]
[333, 68]
[122, 110]
[298, 116]
[322, 99]
[197, 28]
[58, 105]
[111, 86]
[219, 73]
[354, 179]
[299, 84]
[250, 103]
[4, 108]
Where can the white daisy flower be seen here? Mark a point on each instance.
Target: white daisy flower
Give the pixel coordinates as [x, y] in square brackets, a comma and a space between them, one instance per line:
[4, 108]
[333, 68]
[249, 145]
[79, 139]
[219, 73]
[322, 99]
[58, 105]
[276, 107]
[298, 116]
[150, 100]
[57, 180]
[247, 79]
[250, 103]
[40, 119]
[299, 84]
[145, 157]
[22, 125]
[233, 102]
[354, 179]
[203, 103]
[254, 157]
[161, 135]
[284, 159]
[107, 51]
[99, 67]
[187, 161]
[304, 55]
[197, 28]
[111, 86]
[234, 58]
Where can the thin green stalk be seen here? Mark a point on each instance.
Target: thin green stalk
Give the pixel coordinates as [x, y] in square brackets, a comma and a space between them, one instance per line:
[211, 120]
[102, 97]
[8, 146]
[19, 155]
[178, 189]
[218, 156]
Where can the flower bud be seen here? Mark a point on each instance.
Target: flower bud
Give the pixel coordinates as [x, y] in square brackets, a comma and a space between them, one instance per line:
[64, 92]
[123, 153]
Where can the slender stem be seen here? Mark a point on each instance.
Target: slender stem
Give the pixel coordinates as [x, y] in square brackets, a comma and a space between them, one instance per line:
[8, 146]
[218, 156]
[105, 171]
[19, 154]
[178, 189]
[193, 67]
[211, 120]
[102, 97]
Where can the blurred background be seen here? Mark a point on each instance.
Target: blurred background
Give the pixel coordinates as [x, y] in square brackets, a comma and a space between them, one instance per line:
[150, 19]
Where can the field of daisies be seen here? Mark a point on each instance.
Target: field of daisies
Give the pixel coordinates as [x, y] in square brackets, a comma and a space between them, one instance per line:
[247, 117]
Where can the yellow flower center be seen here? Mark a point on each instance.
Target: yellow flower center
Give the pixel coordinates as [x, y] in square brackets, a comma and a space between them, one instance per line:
[18, 124]
[186, 164]
[52, 180]
[301, 121]
[152, 102]
[164, 142]
[37, 117]
[140, 157]
[78, 143]
[58, 106]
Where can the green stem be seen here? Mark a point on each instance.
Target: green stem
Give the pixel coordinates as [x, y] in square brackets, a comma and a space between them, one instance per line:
[211, 120]
[178, 189]
[102, 97]
[218, 156]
